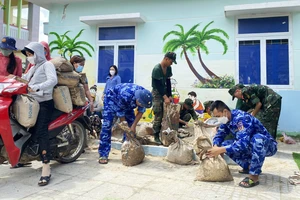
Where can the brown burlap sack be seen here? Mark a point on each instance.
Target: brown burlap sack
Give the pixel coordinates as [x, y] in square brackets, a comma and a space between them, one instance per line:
[202, 129]
[210, 169]
[171, 117]
[131, 150]
[180, 153]
[61, 64]
[62, 99]
[26, 110]
[78, 95]
[168, 137]
[83, 78]
[145, 128]
[70, 79]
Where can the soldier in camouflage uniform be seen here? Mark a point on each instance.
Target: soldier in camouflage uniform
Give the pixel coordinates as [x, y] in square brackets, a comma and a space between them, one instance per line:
[161, 90]
[120, 101]
[250, 145]
[265, 102]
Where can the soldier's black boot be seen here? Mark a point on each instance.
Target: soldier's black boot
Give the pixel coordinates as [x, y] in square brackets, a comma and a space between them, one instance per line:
[156, 138]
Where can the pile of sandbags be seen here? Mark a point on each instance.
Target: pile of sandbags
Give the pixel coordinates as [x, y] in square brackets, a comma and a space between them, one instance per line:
[70, 82]
[26, 110]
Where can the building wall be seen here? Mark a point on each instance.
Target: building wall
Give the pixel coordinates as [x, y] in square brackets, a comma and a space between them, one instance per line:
[161, 17]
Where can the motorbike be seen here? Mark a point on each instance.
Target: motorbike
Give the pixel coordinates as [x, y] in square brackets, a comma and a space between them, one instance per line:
[67, 131]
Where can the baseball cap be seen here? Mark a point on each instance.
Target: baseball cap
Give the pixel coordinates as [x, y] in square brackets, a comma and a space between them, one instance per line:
[172, 56]
[232, 90]
[144, 97]
[8, 43]
[189, 103]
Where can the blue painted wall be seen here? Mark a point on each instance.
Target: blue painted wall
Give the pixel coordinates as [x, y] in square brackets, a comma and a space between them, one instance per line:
[161, 16]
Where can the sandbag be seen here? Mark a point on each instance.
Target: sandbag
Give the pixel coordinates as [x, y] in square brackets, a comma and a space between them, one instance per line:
[210, 169]
[62, 99]
[78, 95]
[131, 150]
[145, 128]
[26, 110]
[168, 137]
[70, 79]
[180, 153]
[61, 64]
[83, 78]
[171, 117]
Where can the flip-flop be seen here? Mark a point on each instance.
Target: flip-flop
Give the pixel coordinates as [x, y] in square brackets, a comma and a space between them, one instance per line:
[244, 171]
[21, 165]
[249, 183]
[103, 160]
[44, 180]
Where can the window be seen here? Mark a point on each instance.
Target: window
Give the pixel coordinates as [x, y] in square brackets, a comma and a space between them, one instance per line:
[264, 53]
[116, 47]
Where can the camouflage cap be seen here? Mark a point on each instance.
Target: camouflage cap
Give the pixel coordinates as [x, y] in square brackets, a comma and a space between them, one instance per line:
[232, 90]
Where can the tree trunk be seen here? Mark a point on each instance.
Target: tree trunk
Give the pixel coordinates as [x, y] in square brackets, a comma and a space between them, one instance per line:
[200, 78]
[210, 73]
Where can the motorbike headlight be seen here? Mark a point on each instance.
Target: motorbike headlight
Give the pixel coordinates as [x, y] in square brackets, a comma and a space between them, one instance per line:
[3, 86]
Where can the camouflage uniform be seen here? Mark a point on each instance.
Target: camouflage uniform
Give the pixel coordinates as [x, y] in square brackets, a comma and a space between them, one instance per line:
[119, 101]
[251, 143]
[161, 86]
[271, 105]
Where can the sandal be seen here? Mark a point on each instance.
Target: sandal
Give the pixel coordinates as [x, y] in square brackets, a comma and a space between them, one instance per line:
[21, 165]
[103, 160]
[244, 171]
[44, 180]
[248, 183]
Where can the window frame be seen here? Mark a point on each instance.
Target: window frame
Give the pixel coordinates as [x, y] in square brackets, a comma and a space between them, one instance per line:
[115, 43]
[263, 37]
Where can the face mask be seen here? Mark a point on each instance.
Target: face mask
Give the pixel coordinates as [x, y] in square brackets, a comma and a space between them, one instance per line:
[112, 72]
[79, 68]
[222, 120]
[6, 52]
[31, 60]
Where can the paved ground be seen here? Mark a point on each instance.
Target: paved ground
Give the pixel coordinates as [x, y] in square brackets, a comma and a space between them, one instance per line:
[155, 179]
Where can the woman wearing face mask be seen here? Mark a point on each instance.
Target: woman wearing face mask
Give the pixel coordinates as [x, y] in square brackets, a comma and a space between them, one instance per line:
[78, 63]
[9, 63]
[42, 79]
[46, 52]
[112, 79]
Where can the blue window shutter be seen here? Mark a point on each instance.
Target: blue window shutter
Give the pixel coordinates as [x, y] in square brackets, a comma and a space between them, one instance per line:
[126, 63]
[277, 62]
[105, 60]
[263, 25]
[249, 62]
[117, 33]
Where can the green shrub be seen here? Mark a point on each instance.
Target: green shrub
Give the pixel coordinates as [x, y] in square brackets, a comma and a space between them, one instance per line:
[221, 82]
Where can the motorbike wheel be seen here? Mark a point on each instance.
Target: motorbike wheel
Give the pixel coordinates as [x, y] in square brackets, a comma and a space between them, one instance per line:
[80, 139]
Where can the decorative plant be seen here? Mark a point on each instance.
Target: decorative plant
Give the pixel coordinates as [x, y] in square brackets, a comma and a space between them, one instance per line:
[220, 82]
[66, 45]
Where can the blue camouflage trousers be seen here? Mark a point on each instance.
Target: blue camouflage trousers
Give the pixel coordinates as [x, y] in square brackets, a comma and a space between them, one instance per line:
[253, 157]
[105, 135]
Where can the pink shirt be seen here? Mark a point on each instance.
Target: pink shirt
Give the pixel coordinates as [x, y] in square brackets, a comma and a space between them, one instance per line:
[3, 66]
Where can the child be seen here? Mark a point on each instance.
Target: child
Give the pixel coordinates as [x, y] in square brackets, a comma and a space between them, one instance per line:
[197, 105]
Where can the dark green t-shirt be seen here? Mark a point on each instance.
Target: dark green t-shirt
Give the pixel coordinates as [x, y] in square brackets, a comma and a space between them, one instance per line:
[159, 79]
